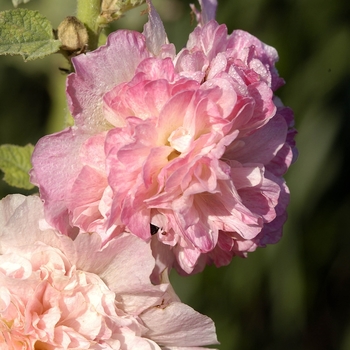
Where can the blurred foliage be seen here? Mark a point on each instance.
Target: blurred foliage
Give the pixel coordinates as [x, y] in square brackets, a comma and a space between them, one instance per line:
[293, 295]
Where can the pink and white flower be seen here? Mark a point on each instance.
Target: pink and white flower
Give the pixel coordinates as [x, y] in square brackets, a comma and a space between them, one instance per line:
[195, 144]
[58, 293]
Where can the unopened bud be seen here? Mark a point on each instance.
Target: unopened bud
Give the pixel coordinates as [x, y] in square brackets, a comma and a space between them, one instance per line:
[72, 34]
[113, 9]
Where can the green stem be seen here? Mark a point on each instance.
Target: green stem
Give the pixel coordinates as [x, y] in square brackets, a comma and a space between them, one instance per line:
[87, 12]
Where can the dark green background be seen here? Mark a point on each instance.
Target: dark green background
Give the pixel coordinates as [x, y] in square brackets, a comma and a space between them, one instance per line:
[293, 295]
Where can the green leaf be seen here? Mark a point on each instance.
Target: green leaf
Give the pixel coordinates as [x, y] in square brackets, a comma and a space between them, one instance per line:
[18, 2]
[26, 33]
[15, 162]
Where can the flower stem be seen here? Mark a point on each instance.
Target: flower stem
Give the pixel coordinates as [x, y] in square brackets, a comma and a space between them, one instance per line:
[88, 12]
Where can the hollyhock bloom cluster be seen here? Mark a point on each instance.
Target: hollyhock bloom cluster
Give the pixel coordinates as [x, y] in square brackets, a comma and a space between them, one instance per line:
[194, 144]
[56, 293]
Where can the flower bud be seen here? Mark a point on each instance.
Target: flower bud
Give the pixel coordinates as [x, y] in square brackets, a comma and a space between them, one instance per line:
[113, 9]
[72, 34]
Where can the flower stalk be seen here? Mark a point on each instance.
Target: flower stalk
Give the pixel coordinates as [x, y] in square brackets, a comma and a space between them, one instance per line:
[88, 12]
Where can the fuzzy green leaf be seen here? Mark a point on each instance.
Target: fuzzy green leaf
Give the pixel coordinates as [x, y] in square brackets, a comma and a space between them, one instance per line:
[26, 33]
[15, 162]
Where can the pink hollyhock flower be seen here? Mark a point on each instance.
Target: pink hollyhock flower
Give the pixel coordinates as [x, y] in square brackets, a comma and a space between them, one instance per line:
[194, 144]
[58, 293]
